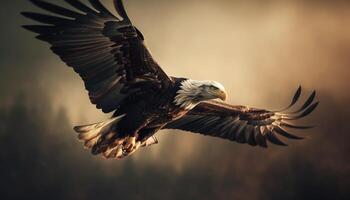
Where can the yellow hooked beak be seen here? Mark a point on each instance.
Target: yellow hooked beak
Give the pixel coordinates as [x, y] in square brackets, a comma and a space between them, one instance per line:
[222, 95]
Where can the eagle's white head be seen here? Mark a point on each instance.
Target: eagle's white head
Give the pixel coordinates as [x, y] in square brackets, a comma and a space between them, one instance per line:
[193, 92]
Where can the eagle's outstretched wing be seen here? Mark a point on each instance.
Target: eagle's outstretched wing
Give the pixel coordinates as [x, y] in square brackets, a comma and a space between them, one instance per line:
[243, 124]
[107, 52]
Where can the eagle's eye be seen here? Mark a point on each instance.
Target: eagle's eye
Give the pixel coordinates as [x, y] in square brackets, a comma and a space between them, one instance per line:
[213, 87]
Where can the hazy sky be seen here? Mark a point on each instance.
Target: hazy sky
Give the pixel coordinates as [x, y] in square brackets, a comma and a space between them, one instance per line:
[259, 50]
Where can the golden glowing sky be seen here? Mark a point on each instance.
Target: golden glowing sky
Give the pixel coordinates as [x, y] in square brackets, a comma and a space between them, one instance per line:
[261, 51]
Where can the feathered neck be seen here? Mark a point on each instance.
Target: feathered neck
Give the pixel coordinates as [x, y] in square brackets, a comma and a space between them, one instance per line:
[187, 95]
[191, 93]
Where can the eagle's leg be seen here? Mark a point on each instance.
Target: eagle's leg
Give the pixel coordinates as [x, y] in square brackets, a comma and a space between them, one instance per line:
[129, 147]
[146, 134]
[129, 144]
[129, 128]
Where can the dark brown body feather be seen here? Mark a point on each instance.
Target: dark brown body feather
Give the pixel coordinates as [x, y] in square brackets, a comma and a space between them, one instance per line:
[143, 117]
[150, 111]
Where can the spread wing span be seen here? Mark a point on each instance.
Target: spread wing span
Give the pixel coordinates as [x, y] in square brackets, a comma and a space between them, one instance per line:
[107, 51]
[243, 124]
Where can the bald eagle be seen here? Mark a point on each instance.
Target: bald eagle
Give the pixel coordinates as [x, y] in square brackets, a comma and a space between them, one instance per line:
[121, 76]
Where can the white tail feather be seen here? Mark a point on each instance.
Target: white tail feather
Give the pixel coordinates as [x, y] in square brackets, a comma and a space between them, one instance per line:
[91, 133]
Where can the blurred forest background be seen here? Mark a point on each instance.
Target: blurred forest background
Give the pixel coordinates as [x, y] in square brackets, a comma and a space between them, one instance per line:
[260, 50]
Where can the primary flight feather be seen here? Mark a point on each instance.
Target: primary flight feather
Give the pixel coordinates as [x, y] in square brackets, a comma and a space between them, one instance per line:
[120, 75]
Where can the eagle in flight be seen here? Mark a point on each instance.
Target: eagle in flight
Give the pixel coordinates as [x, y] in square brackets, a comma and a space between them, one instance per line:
[121, 76]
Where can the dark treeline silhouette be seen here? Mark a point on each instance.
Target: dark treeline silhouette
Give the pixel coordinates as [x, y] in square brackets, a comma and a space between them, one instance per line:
[39, 161]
